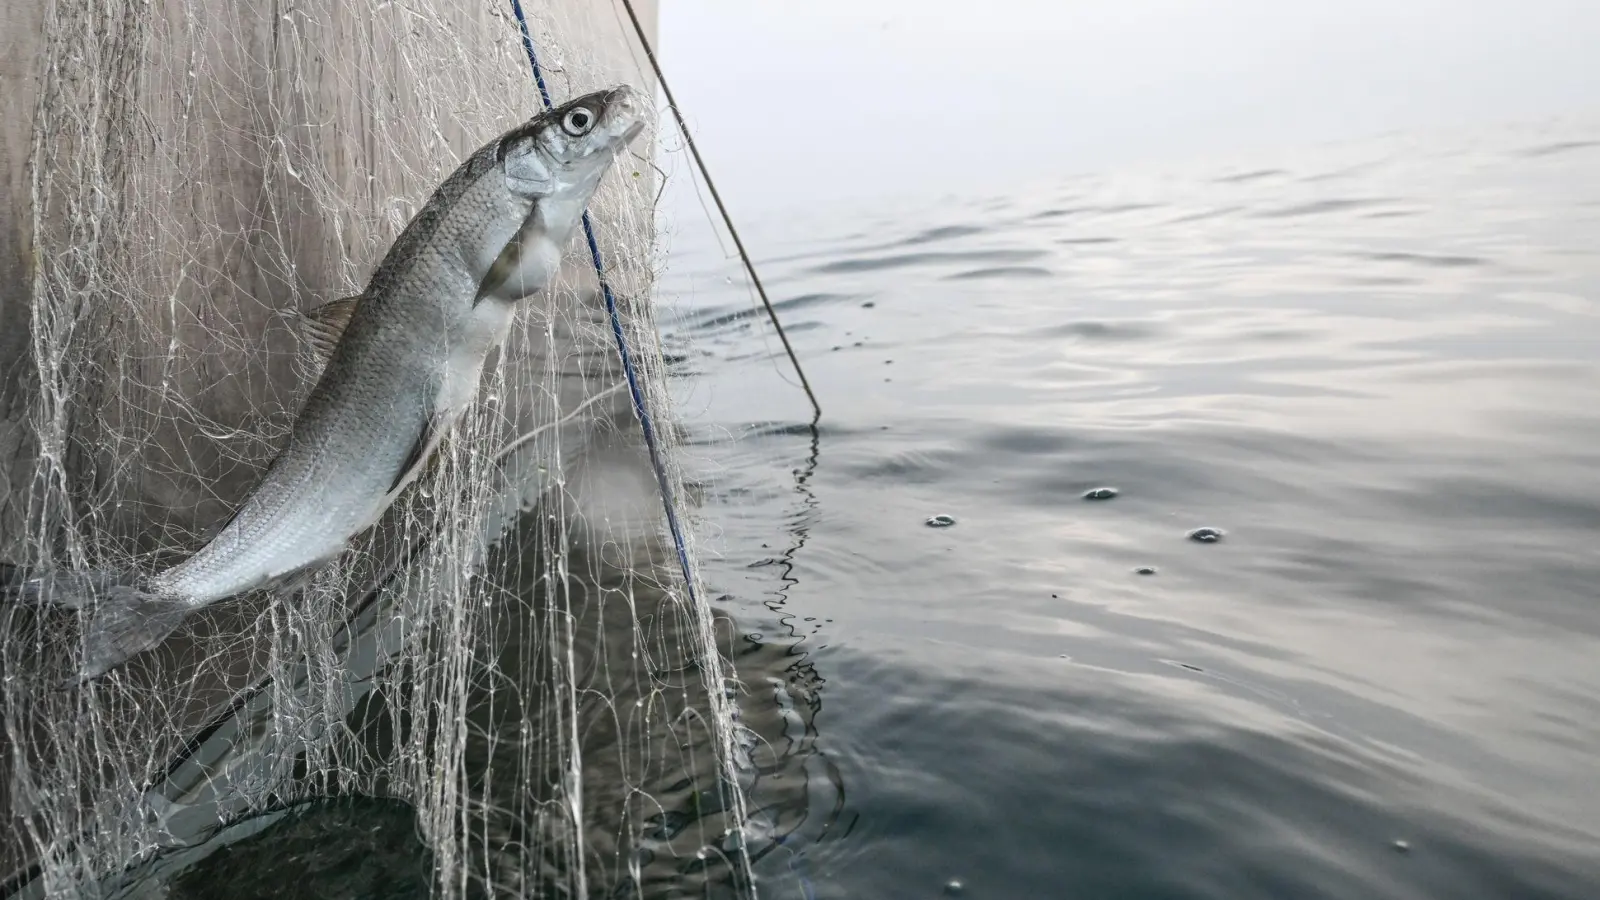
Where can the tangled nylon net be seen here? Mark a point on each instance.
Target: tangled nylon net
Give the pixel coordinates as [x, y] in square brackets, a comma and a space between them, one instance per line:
[505, 669]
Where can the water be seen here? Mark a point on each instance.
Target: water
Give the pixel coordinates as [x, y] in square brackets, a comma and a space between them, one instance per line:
[1375, 368]
[982, 652]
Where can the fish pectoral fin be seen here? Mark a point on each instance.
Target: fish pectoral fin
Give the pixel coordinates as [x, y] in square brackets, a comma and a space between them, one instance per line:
[421, 452]
[509, 258]
[507, 262]
[321, 326]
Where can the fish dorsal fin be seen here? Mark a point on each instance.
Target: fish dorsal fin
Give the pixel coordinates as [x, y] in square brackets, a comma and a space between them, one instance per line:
[321, 326]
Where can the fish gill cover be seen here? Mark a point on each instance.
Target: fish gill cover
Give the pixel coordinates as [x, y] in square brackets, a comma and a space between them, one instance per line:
[509, 655]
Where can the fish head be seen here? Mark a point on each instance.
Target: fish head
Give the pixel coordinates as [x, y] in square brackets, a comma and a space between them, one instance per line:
[562, 153]
[551, 167]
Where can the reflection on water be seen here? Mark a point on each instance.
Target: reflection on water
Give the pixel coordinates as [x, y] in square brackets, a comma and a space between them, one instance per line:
[618, 678]
[1375, 369]
[353, 847]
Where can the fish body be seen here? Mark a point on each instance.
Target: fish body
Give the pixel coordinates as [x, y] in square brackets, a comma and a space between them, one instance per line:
[403, 360]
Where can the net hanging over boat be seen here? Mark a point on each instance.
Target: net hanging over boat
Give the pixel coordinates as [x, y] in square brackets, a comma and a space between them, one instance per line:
[504, 688]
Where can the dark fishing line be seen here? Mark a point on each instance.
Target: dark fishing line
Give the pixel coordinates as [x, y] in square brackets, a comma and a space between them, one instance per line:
[705, 173]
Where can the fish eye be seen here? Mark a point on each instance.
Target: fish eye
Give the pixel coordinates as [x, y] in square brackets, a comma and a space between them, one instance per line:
[577, 122]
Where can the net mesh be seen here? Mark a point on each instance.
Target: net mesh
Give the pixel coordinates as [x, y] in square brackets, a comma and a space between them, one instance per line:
[510, 655]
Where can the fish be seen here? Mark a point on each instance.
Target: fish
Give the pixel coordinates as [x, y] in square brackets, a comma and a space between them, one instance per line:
[400, 363]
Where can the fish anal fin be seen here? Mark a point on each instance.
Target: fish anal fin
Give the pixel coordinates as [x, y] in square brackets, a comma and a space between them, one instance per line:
[321, 326]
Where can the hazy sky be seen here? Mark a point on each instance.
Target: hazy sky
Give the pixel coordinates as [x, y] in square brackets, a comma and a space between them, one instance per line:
[801, 102]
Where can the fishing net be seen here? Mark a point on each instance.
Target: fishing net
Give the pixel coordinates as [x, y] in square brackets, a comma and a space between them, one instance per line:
[506, 689]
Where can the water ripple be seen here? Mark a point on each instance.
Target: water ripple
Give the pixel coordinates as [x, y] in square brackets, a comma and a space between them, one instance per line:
[1320, 207]
[1001, 272]
[919, 260]
[1425, 259]
[1377, 685]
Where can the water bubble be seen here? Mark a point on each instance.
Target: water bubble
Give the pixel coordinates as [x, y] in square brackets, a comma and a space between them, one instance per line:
[1100, 493]
[1206, 535]
[1145, 570]
[941, 521]
[954, 887]
[1401, 846]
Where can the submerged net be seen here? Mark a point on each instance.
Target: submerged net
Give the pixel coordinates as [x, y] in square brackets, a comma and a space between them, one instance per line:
[505, 690]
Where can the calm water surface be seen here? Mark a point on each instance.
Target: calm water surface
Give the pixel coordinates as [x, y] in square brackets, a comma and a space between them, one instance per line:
[1375, 368]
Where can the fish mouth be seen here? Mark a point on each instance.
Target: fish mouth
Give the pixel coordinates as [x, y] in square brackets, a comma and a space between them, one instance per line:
[623, 102]
[621, 95]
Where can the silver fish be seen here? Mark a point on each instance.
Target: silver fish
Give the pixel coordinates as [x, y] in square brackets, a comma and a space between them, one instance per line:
[403, 360]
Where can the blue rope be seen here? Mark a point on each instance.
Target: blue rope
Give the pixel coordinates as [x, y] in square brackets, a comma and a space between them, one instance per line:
[639, 408]
[800, 868]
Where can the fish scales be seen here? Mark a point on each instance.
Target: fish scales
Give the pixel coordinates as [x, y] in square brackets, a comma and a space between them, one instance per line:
[401, 362]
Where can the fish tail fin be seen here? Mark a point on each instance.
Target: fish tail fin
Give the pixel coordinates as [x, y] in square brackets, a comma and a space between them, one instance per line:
[125, 622]
[66, 588]
[122, 619]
